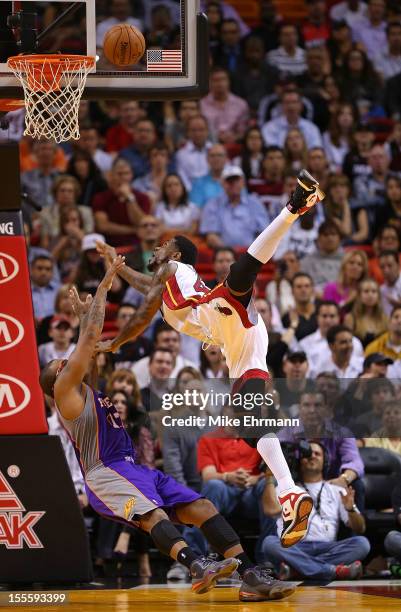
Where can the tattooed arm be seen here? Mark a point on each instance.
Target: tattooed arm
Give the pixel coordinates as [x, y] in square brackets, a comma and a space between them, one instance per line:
[137, 280]
[145, 313]
[67, 389]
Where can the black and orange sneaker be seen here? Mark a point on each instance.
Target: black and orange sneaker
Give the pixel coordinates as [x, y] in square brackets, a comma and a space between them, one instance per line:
[296, 506]
[259, 585]
[306, 195]
[205, 572]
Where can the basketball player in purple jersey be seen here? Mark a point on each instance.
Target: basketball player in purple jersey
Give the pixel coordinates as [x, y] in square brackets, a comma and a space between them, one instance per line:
[226, 316]
[120, 489]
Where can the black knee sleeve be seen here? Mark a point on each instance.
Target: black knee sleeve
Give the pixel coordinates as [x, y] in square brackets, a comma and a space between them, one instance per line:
[243, 273]
[164, 534]
[219, 533]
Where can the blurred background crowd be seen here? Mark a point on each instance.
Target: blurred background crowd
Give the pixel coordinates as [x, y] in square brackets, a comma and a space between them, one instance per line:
[293, 85]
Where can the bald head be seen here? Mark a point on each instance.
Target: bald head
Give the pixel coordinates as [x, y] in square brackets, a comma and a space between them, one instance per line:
[49, 375]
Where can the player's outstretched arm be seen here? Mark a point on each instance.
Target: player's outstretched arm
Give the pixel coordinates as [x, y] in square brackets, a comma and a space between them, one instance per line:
[137, 280]
[145, 313]
[67, 386]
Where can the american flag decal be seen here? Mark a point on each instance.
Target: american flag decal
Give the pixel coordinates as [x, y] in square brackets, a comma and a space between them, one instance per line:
[160, 60]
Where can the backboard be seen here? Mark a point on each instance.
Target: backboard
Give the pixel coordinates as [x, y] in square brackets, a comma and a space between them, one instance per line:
[174, 66]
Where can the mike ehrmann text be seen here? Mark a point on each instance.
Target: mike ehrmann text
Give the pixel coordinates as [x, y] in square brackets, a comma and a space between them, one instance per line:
[248, 420]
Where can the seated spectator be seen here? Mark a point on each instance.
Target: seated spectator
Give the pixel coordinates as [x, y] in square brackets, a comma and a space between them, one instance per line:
[367, 319]
[213, 363]
[209, 185]
[38, 182]
[344, 463]
[175, 212]
[392, 542]
[389, 343]
[270, 186]
[350, 11]
[89, 141]
[371, 29]
[288, 58]
[227, 53]
[234, 218]
[295, 368]
[192, 159]
[279, 290]
[359, 82]
[62, 308]
[275, 131]
[119, 210]
[301, 237]
[226, 114]
[223, 257]
[393, 147]
[324, 263]
[90, 270]
[387, 60]
[228, 12]
[61, 345]
[315, 345]
[66, 193]
[43, 287]
[105, 368]
[160, 372]
[329, 385]
[124, 380]
[320, 556]
[312, 82]
[122, 134]
[353, 270]
[165, 338]
[303, 291]
[82, 167]
[318, 166]
[342, 360]
[390, 213]
[370, 191]
[340, 44]
[390, 290]
[151, 184]
[353, 225]
[132, 351]
[295, 150]
[137, 154]
[356, 162]
[387, 239]
[214, 14]
[120, 12]
[253, 78]
[252, 154]
[162, 31]
[337, 140]
[269, 21]
[176, 123]
[389, 434]
[315, 29]
[148, 232]
[66, 247]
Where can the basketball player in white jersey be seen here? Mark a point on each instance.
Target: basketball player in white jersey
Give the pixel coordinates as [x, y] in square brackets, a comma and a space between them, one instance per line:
[225, 316]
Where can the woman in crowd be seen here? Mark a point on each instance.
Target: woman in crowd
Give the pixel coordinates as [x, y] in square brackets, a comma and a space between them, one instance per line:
[105, 367]
[124, 380]
[338, 139]
[213, 363]
[390, 213]
[252, 154]
[367, 320]
[353, 270]
[214, 13]
[66, 247]
[359, 83]
[83, 168]
[66, 192]
[279, 290]
[295, 150]
[152, 183]
[337, 209]
[63, 308]
[389, 435]
[176, 213]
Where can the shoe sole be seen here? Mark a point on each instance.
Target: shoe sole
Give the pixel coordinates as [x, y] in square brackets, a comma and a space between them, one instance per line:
[208, 582]
[277, 592]
[321, 195]
[298, 529]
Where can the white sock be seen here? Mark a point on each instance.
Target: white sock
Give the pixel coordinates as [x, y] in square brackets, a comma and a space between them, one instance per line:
[270, 450]
[265, 245]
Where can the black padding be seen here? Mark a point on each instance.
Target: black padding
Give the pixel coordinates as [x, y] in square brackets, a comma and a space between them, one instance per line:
[164, 534]
[243, 274]
[219, 533]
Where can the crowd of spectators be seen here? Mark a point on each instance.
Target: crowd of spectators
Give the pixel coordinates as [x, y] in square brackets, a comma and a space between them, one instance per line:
[322, 95]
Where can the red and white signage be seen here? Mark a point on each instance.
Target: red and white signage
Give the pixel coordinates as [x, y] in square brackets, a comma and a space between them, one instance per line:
[21, 398]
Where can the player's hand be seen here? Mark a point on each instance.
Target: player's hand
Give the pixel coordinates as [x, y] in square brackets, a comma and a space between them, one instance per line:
[106, 346]
[116, 265]
[107, 252]
[79, 307]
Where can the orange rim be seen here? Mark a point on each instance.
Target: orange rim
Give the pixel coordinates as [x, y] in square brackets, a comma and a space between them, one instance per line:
[60, 59]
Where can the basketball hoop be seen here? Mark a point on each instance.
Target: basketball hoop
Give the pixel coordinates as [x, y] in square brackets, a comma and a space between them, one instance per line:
[53, 86]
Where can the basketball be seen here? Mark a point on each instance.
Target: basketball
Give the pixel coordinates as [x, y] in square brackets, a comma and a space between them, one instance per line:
[123, 45]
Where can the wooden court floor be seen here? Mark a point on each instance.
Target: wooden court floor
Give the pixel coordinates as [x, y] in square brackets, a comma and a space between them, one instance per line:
[160, 598]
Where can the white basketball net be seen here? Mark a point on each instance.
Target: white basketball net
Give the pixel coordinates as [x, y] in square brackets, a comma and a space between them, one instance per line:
[52, 88]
